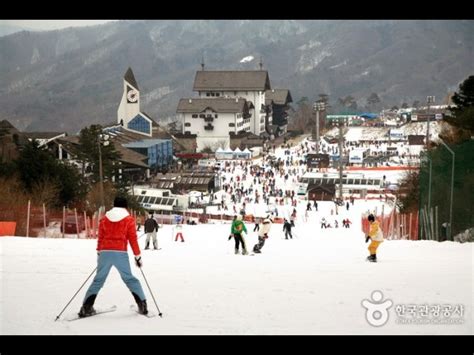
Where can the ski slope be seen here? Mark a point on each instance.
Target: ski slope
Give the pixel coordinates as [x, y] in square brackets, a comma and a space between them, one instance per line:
[312, 284]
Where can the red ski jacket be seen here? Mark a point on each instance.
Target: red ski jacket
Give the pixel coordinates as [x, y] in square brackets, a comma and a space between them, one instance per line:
[116, 229]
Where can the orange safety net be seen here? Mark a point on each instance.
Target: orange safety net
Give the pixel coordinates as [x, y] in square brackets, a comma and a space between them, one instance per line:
[7, 228]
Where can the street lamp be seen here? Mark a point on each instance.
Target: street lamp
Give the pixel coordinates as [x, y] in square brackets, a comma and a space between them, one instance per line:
[318, 106]
[452, 189]
[429, 100]
[426, 155]
[103, 139]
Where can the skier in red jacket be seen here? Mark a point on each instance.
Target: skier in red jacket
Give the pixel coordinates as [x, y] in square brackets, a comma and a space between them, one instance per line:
[116, 229]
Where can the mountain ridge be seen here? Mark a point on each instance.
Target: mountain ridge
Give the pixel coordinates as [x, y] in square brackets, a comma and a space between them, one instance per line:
[70, 78]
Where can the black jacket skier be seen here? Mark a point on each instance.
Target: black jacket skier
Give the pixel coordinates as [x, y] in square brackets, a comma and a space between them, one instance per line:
[287, 229]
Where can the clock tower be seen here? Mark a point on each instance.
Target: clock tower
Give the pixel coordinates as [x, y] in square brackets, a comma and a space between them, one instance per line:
[130, 104]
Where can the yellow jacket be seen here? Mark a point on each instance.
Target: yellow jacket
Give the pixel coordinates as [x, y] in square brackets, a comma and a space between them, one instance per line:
[375, 232]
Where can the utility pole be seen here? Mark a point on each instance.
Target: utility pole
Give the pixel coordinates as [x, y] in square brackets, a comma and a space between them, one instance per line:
[450, 226]
[340, 156]
[102, 139]
[318, 106]
[429, 100]
[101, 175]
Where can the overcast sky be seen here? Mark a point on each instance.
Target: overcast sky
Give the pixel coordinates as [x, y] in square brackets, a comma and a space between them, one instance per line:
[39, 25]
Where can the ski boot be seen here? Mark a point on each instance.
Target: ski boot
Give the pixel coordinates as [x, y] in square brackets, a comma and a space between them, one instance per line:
[372, 258]
[142, 307]
[87, 308]
[236, 251]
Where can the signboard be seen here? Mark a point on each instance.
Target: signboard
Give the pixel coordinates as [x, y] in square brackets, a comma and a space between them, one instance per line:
[395, 133]
[422, 117]
[439, 116]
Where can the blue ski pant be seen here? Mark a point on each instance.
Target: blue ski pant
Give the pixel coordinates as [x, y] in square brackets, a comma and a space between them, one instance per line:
[119, 259]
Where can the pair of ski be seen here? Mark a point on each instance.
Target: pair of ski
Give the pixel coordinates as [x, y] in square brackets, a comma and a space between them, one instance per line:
[109, 310]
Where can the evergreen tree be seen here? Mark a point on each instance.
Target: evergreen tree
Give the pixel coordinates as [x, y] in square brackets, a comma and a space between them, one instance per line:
[463, 113]
[88, 154]
[373, 101]
[36, 166]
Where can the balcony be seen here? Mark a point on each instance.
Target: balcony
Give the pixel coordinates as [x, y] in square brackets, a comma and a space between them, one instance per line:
[209, 127]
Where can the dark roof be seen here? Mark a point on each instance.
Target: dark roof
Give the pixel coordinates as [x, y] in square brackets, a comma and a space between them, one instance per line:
[128, 155]
[221, 105]
[278, 96]
[231, 80]
[416, 139]
[42, 135]
[330, 188]
[130, 78]
[4, 124]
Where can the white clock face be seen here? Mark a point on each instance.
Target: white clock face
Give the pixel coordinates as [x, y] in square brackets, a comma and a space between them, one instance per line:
[132, 96]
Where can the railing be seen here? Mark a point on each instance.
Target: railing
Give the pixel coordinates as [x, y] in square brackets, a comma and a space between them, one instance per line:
[209, 127]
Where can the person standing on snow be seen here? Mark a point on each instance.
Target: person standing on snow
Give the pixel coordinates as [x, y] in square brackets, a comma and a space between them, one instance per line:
[376, 237]
[257, 225]
[116, 229]
[151, 227]
[179, 231]
[237, 228]
[262, 235]
[287, 229]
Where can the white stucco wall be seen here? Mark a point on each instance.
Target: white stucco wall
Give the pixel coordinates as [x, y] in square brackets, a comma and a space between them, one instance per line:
[127, 111]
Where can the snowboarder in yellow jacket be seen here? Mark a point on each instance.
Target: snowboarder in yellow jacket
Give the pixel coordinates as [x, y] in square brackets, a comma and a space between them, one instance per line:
[376, 237]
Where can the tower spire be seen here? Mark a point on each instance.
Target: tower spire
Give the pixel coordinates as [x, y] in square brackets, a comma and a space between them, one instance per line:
[202, 63]
[261, 63]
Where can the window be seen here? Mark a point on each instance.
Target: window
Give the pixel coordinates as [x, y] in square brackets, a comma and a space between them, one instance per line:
[218, 94]
[195, 115]
[202, 115]
[146, 199]
[187, 124]
[140, 124]
[216, 115]
[152, 200]
[187, 132]
[208, 94]
[231, 124]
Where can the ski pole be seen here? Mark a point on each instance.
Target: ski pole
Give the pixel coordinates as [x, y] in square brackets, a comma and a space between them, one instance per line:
[159, 312]
[59, 315]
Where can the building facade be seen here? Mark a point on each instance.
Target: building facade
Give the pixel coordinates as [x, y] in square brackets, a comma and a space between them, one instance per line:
[214, 120]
